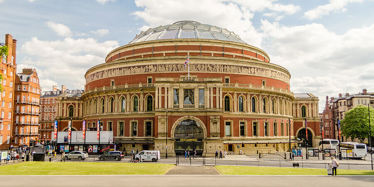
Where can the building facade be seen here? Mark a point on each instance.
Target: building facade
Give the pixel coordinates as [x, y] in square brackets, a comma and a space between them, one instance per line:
[27, 102]
[8, 72]
[336, 108]
[191, 86]
[48, 112]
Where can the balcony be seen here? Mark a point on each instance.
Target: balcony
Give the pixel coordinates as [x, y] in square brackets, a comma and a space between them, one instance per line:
[27, 134]
[27, 124]
[27, 113]
[28, 103]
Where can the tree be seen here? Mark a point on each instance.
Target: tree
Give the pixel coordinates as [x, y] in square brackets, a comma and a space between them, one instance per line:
[356, 123]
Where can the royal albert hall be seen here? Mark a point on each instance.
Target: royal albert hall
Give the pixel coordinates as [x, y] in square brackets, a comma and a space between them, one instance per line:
[193, 86]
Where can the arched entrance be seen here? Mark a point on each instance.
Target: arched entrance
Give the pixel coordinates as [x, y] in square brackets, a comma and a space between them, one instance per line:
[188, 135]
[301, 136]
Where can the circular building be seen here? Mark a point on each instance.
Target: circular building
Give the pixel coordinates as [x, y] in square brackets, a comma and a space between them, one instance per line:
[190, 86]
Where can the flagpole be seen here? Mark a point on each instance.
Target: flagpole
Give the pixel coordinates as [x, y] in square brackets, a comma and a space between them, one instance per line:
[188, 66]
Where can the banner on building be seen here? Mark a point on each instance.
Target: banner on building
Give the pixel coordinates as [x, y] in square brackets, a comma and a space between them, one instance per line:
[84, 129]
[69, 131]
[55, 130]
[98, 129]
[306, 130]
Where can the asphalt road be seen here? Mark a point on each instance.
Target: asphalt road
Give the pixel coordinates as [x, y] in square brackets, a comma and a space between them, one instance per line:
[185, 181]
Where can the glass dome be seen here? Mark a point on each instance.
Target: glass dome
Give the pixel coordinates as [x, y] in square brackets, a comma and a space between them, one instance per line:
[187, 30]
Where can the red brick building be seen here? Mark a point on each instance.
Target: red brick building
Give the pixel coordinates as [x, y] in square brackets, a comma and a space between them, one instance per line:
[8, 72]
[191, 86]
[27, 102]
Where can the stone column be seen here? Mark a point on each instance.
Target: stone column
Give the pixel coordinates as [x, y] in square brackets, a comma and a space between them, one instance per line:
[211, 97]
[156, 98]
[207, 95]
[181, 97]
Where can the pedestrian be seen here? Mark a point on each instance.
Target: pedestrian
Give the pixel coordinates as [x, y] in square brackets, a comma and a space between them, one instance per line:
[185, 154]
[216, 154]
[189, 153]
[195, 153]
[220, 154]
[335, 165]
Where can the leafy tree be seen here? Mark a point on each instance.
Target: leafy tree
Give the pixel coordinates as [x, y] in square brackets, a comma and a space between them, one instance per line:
[356, 123]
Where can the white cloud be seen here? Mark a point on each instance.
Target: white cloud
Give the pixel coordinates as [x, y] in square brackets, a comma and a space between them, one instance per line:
[235, 15]
[60, 29]
[321, 61]
[105, 1]
[64, 61]
[332, 6]
[100, 32]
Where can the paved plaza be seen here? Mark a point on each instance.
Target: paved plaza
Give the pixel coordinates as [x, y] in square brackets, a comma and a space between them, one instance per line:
[185, 181]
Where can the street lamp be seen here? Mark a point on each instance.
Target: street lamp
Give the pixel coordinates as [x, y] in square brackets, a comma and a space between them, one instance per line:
[322, 133]
[306, 139]
[371, 151]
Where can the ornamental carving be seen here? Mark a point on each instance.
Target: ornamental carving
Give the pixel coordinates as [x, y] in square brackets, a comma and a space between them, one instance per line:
[196, 68]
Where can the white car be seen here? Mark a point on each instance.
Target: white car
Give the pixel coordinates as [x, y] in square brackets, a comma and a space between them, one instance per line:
[80, 155]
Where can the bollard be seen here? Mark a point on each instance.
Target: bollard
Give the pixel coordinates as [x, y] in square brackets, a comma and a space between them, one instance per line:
[50, 159]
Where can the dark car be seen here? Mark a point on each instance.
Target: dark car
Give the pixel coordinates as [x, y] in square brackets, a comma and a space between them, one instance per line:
[111, 155]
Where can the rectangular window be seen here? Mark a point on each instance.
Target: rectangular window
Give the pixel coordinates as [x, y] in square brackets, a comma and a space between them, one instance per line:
[121, 128]
[110, 126]
[112, 83]
[188, 98]
[134, 128]
[228, 128]
[201, 97]
[275, 129]
[227, 80]
[1, 126]
[266, 129]
[1, 140]
[176, 97]
[148, 128]
[282, 129]
[287, 130]
[9, 115]
[242, 128]
[7, 139]
[254, 129]
[149, 80]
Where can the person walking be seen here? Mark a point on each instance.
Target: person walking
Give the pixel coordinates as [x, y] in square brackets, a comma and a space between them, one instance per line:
[335, 165]
[185, 154]
[216, 154]
[220, 154]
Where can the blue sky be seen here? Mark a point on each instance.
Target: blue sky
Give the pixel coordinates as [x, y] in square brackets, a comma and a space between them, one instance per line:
[327, 45]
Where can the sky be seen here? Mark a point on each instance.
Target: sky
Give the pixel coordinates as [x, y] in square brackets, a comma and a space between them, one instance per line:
[327, 45]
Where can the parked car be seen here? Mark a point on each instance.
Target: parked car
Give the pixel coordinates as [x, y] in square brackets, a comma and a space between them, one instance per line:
[111, 155]
[81, 155]
[148, 155]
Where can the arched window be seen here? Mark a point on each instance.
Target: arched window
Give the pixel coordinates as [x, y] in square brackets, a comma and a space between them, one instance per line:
[123, 104]
[253, 104]
[149, 103]
[71, 111]
[227, 103]
[241, 107]
[102, 105]
[111, 104]
[135, 103]
[264, 105]
[303, 111]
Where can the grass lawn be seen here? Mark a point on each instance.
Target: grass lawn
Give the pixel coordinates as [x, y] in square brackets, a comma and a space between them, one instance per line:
[84, 168]
[249, 170]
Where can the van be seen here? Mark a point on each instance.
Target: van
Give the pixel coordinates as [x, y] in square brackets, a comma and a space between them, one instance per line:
[148, 155]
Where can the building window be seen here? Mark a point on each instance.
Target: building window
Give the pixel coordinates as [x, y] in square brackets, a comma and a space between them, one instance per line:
[275, 129]
[121, 128]
[254, 127]
[303, 111]
[135, 104]
[241, 107]
[266, 129]
[228, 128]
[201, 97]
[176, 97]
[188, 97]
[273, 106]
[111, 104]
[149, 103]
[282, 129]
[71, 111]
[102, 105]
[110, 126]
[134, 128]
[227, 80]
[227, 103]
[123, 104]
[149, 80]
[264, 105]
[253, 104]
[112, 83]
[242, 128]
[148, 128]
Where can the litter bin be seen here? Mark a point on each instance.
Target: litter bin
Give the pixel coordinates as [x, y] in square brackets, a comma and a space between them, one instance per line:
[38, 157]
[27, 157]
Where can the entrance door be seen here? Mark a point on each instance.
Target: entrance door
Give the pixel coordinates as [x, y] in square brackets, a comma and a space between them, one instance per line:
[188, 137]
[301, 136]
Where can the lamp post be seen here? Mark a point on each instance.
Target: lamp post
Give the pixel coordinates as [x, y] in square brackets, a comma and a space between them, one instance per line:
[322, 133]
[289, 135]
[306, 139]
[167, 133]
[371, 151]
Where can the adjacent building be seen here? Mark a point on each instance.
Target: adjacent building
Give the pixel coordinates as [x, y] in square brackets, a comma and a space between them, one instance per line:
[8, 73]
[27, 102]
[191, 86]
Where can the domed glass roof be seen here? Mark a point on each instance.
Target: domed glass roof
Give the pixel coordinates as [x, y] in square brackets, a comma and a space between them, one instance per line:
[187, 29]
